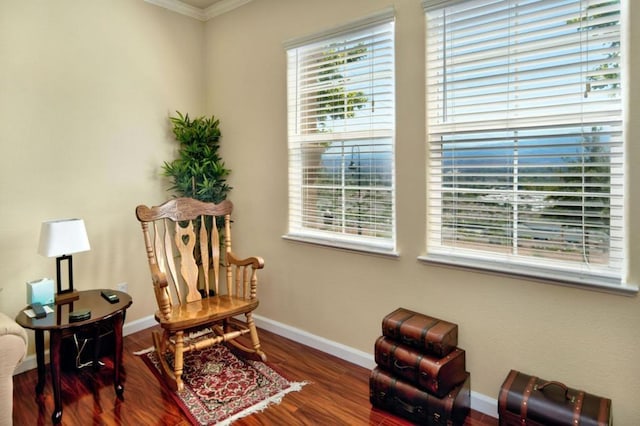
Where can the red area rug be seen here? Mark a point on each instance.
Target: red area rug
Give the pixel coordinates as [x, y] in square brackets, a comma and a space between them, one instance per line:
[220, 387]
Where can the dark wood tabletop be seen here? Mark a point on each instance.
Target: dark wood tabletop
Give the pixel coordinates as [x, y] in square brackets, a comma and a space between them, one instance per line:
[92, 300]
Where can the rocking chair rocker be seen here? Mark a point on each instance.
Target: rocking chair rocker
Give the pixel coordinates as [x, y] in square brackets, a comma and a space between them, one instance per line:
[189, 226]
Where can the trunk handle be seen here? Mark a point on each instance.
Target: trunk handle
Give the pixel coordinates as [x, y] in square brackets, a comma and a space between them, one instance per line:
[542, 387]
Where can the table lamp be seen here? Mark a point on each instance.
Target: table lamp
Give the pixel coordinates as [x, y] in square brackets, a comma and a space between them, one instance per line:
[60, 239]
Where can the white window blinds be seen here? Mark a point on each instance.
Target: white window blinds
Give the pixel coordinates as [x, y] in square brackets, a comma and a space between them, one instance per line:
[341, 135]
[525, 136]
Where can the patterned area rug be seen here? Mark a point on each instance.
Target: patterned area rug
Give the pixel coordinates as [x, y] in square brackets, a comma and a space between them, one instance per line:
[220, 387]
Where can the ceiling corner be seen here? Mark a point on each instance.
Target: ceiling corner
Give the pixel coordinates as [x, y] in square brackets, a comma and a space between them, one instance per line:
[215, 8]
[223, 6]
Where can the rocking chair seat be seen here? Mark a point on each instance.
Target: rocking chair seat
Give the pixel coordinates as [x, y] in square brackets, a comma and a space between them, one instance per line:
[204, 312]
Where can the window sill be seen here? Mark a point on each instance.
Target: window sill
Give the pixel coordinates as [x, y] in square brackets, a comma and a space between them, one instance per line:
[342, 245]
[592, 283]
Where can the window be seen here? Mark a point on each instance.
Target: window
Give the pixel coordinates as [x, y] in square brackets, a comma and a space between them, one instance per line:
[341, 136]
[524, 119]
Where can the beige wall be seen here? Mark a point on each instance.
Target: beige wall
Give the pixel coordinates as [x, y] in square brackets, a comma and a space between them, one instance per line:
[85, 91]
[587, 339]
[86, 88]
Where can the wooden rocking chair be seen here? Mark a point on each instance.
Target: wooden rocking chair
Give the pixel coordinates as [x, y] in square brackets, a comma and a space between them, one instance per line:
[189, 226]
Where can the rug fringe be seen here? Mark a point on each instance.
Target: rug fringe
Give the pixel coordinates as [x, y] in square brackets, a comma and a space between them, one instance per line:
[145, 351]
[275, 399]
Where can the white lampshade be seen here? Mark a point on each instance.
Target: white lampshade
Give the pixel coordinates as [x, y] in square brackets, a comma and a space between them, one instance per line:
[63, 236]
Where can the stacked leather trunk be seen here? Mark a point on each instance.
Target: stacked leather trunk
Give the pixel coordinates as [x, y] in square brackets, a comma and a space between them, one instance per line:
[421, 373]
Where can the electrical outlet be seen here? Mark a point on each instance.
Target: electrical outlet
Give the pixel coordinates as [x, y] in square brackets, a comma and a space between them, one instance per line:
[123, 287]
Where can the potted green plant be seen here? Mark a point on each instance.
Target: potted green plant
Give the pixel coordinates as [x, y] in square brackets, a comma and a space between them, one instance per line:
[199, 171]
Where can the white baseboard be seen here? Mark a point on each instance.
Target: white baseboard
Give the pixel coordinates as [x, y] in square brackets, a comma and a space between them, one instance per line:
[479, 402]
[339, 350]
[138, 325]
[484, 404]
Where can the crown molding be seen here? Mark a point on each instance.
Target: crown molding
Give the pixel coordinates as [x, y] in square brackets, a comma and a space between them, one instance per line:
[204, 15]
[223, 6]
[181, 8]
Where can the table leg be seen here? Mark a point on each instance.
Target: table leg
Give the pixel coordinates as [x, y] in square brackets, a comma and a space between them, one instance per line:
[55, 338]
[40, 361]
[117, 356]
[96, 347]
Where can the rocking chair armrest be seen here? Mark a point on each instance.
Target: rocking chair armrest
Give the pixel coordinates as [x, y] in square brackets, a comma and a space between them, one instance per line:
[158, 278]
[256, 262]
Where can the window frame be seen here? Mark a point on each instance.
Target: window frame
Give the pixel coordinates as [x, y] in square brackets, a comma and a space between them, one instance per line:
[355, 141]
[479, 260]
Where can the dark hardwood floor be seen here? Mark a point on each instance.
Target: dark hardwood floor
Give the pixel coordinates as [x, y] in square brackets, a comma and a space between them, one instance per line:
[337, 393]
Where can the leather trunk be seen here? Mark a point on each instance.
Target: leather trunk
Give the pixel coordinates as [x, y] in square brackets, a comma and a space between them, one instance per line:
[528, 400]
[420, 331]
[399, 397]
[436, 375]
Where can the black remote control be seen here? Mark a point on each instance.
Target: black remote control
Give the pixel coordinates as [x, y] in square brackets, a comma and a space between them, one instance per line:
[38, 310]
[110, 296]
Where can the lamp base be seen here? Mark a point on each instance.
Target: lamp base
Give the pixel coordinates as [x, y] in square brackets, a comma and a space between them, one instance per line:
[63, 298]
